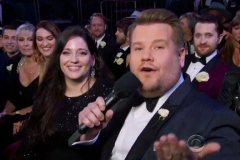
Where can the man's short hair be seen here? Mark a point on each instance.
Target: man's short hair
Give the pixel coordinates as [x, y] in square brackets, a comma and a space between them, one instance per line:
[100, 15]
[10, 27]
[164, 16]
[211, 19]
[124, 24]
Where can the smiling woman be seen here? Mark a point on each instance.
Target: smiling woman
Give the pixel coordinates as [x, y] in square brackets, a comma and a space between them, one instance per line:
[72, 80]
[45, 37]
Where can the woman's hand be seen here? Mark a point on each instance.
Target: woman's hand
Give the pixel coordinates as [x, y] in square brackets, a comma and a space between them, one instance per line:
[17, 127]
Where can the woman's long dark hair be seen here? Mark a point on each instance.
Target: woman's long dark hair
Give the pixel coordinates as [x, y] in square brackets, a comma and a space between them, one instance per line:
[51, 91]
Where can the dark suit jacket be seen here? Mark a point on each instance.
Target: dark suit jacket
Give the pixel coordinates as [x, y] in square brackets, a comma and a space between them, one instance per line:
[216, 69]
[119, 69]
[230, 94]
[7, 77]
[191, 113]
[106, 51]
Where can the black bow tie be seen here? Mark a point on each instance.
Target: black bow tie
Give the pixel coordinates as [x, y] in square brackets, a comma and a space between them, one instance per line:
[139, 99]
[196, 59]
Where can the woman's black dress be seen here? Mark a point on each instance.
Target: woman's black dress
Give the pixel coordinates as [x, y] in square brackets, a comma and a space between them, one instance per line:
[67, 123]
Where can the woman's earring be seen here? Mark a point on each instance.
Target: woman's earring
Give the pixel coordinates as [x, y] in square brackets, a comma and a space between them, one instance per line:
[92, 74]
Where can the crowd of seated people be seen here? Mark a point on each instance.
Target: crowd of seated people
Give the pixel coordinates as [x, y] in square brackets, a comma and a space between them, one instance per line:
[50, 80]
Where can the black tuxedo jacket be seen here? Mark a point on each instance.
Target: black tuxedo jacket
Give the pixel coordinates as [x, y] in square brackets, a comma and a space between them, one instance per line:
[7, 77]
[119, 69]
[216, 69]
[106, 51]
[190, 113]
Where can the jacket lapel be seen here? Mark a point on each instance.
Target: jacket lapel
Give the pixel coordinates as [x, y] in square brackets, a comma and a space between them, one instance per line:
[187, 62]
[211, 64]
[148, 135]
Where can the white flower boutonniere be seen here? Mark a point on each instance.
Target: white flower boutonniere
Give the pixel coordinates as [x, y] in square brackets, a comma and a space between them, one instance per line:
[163, 113]
[9, 68]
[103, 44]
[202, 77]
[120, 61]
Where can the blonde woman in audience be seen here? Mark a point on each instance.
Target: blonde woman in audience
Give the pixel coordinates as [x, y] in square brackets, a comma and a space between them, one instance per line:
[230, 53]
[46, 35]
[23, 88]
[21, 95]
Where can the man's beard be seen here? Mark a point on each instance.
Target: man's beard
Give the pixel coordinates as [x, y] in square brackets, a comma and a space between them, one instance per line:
[121, 41]
[206, 53]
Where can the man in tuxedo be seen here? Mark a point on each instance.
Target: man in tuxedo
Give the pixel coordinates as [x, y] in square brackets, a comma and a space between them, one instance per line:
[206, 61]
[104, 43]
[119, 61]
[165, 103]
[8, 61]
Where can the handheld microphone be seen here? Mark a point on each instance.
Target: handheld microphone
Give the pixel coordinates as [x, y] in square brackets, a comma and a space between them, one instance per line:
[123, 88]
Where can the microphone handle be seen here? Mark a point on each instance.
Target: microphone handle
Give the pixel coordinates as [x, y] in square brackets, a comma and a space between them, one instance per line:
[111, 100]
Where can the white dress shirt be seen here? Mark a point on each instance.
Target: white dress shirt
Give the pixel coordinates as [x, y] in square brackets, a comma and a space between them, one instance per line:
[99, 40]
[136, 121]
[194, 68]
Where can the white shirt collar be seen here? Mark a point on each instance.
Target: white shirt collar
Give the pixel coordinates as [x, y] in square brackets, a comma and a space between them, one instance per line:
[99, 40]
[125, 48]
[208, 58]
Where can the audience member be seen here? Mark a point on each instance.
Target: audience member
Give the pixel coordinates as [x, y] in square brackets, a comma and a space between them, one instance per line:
[24, 87]
[72, 80]
[205, 67]
[118, 61]
[104, 43]
[219, 10]
[230, 94]
[188, 21]
[22, 92]
[231, 51]
[8, 73]
[8, 62]
[156, 60]
[45, 39]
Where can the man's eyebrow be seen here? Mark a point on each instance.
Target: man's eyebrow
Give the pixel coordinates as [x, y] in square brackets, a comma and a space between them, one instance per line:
[155, 41]
[137, 43]
[160, 40]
